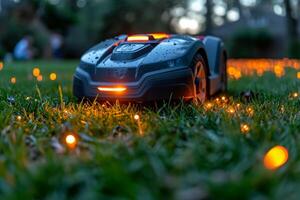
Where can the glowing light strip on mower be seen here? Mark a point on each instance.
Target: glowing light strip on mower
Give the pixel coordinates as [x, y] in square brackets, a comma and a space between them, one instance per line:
[158, 36]
[138, 38]
[112, 89]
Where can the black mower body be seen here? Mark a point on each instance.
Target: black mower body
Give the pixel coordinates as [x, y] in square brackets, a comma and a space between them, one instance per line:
[147, 70]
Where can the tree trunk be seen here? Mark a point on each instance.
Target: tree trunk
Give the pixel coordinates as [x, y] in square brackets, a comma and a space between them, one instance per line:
[291, 21]
[209, 24]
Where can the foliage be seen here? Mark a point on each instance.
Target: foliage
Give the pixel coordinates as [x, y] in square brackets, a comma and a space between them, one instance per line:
[251, 43]
[294, 49]
[58, 18]
[12, 33]
[2, 52]
[99, 20]
[186, 151]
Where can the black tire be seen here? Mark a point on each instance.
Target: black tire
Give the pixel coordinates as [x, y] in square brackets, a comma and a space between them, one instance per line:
[200, 75]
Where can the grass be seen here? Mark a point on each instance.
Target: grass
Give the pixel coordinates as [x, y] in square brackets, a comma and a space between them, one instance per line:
[173, 152]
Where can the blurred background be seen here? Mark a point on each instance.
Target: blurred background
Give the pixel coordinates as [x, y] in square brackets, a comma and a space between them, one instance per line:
[66, 28]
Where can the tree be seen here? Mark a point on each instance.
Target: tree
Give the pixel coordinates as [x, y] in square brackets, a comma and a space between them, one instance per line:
[291, 21]
[208, 16]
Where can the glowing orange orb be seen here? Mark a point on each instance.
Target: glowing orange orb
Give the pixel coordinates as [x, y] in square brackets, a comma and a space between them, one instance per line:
[13, 80]
[295, 94]
[52, 76]
[245, 128]
[71, 141]
[208, 105]
[250, 111]
[136, 117]
[39, 78]
[231, 110]
[276, 157]
[298, 75]
[1, 66]
[36, 72]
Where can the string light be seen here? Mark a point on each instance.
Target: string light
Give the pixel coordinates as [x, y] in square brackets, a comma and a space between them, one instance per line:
[19, 118]
[276, 157]
[298, 75]
[13, 80]
[1, 66]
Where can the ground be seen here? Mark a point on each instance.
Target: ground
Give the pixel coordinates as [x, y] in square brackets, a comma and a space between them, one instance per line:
[182, 151]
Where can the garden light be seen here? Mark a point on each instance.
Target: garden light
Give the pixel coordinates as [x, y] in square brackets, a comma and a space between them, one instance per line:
[275, 157]
[71, 140]
[19, 117]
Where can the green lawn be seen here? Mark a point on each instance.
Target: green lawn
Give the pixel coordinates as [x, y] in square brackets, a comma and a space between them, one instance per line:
[173, 152]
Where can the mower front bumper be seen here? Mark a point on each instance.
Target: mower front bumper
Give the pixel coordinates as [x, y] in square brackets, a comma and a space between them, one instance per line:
[164, 84]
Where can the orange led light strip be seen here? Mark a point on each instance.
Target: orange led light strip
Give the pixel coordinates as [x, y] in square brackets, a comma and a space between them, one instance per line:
[138, 38]
[112, 89]
[159, 36]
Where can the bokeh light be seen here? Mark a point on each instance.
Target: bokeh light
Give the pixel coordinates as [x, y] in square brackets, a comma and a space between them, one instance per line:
[245, 128]
[231, 110]
[71, 140]
[208, 105]
[295, 94]
[53, 76]
[276, 157]
[1, 66]
[39, 78]
[248, 67]
[13, 80]
[36, 72]
[136, 117]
